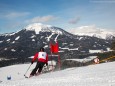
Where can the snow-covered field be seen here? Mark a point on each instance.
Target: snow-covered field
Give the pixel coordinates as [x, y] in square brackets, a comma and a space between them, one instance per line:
[92, 75]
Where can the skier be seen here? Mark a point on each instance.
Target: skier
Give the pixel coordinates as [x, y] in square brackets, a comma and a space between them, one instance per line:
[42, 57]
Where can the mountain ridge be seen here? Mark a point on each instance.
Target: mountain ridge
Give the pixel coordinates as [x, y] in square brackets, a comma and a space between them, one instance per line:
[26, 43]
[92, 30]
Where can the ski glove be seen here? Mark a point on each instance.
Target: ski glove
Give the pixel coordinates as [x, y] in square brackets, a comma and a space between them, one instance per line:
[31, 62]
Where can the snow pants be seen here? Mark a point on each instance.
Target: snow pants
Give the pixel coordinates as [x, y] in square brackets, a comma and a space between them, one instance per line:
[39, 67]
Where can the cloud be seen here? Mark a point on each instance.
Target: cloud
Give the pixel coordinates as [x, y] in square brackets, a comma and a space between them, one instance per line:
[13, 15]
[41, 19]
[103, 1]
[13, 25]
[75, 20]
[84, 30]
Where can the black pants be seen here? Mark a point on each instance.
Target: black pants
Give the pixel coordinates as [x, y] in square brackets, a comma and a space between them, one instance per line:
[38, 67]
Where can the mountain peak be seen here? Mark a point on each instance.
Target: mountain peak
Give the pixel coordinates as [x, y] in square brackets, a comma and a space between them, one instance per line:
[37, 27]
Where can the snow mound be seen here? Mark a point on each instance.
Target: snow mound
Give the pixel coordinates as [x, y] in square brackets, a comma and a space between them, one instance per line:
[37, 27]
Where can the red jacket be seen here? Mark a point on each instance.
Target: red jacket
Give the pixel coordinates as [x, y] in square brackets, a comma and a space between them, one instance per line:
[41, 56]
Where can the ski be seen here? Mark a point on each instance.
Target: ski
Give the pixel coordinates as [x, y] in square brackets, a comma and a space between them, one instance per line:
[32, 76]
[26, 76]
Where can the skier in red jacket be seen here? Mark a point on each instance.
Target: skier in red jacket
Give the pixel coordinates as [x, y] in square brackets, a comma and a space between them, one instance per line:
[42, 60]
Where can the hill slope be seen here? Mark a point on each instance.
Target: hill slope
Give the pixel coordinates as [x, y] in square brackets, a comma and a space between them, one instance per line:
[93, 75]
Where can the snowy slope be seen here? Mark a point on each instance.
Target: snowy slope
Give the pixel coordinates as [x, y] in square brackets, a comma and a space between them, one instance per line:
[93, 75]
[93, 31]
[87, 59]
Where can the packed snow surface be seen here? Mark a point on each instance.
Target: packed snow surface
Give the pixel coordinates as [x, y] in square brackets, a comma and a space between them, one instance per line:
[17, 38]
[92, 75]
[87, 59]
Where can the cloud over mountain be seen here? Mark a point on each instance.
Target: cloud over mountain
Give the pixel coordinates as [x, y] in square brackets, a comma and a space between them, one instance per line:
[41, 19]
[74, 20]
[15, 15]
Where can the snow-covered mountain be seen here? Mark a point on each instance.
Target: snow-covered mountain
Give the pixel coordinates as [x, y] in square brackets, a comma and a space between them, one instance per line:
[93, 31]
[18, 46]
[92, 75]
[39, 27]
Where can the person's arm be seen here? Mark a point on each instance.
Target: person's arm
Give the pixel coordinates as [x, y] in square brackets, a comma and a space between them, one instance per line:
[35, 56]
[47, 59]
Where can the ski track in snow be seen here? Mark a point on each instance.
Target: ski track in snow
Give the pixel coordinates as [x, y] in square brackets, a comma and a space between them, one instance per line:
[93, 75]
[56, 38]
[48, 38]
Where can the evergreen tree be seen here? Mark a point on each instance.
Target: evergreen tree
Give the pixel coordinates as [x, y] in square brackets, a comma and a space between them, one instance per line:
[113, 45]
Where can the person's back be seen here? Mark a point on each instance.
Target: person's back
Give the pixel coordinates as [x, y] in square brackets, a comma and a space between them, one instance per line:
[42, 57]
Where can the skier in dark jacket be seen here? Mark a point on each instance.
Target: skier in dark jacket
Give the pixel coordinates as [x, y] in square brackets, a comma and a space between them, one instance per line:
[42, 60]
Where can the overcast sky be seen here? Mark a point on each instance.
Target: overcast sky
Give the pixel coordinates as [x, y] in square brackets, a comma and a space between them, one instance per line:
[66, 14]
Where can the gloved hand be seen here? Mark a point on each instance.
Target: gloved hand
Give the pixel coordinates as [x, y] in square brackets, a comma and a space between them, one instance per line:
[46, 64]
[31, 62]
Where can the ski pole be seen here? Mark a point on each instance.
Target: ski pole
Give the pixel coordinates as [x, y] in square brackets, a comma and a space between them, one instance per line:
[47, 67]
[27, 69]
